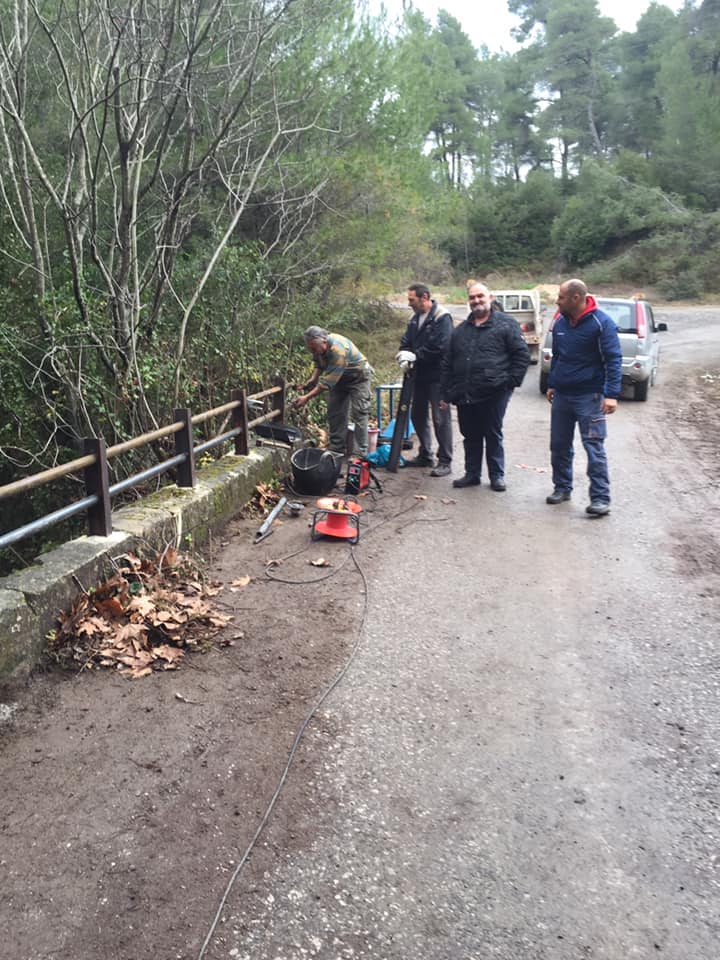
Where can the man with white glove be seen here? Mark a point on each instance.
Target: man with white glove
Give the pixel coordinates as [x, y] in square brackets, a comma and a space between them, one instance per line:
[406, 358]
[426, 340]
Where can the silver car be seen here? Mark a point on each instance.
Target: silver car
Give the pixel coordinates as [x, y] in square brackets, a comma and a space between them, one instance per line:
[639, 340]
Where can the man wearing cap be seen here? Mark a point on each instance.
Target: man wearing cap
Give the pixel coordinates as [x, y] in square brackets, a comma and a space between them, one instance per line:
[343, 373]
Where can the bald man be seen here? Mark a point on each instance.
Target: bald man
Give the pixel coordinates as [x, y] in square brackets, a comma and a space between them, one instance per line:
[584, 385]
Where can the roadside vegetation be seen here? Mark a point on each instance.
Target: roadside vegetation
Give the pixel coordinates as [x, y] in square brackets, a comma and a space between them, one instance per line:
[184, 189]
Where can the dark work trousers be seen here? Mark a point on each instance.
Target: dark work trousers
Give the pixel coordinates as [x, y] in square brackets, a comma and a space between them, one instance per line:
[481, 425]
[349, 402]
[426, 400]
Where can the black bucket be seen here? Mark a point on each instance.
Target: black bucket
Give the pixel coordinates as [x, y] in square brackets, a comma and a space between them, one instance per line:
[315, 471]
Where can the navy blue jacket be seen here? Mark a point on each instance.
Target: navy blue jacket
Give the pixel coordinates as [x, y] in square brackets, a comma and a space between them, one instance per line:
[428, 343]
[586, 358]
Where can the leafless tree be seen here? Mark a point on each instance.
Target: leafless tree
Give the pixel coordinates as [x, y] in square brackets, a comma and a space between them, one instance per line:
[124, 126]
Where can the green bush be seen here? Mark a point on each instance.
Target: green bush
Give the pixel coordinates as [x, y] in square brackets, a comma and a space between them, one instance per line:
[684, 285]
[607, 211]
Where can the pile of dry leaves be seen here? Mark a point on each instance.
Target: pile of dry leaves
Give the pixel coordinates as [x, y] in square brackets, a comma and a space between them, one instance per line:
[142, 619]
[265, 497]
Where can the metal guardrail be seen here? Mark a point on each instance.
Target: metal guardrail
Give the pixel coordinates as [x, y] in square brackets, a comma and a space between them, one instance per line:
[95, 462]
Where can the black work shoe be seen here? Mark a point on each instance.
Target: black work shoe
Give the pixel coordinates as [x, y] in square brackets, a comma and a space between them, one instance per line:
[598, 508]
[467, 481]
[441, 470]
[498, 485]
[421, 461]
[558, 496]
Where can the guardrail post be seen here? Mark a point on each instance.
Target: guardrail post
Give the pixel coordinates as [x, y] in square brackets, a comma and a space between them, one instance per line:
[184, 445]
[279, 398]
[240, 419]
[97, 483]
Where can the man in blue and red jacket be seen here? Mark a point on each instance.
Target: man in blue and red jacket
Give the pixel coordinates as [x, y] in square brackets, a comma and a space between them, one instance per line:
[584, 386]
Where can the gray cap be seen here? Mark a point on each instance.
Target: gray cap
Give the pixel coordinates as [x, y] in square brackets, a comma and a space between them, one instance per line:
[315, 333]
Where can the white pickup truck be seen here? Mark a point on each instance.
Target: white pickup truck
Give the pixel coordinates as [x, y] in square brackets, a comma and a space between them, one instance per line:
[525, 306]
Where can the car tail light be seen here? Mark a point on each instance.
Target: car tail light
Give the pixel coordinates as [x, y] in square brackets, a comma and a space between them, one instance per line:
[641, 321]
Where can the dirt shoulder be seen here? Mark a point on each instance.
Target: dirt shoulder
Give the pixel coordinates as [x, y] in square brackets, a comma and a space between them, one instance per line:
[126, 804]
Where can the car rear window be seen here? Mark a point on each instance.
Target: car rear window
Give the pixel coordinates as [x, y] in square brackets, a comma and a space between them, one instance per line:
[622, 314]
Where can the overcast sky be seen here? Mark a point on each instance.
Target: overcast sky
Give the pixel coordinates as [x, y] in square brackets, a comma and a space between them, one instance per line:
[489, 22]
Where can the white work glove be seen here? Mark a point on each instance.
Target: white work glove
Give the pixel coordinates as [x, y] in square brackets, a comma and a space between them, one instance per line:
[405, 358]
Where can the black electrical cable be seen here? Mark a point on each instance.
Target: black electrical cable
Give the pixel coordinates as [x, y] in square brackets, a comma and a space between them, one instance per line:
[293, 750]
[299, 583]
[309, 716]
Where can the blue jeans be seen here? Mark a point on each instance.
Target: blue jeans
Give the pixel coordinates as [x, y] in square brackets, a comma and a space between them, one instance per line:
[586, 411]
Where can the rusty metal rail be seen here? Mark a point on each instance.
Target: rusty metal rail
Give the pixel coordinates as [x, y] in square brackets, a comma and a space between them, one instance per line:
[94, 464]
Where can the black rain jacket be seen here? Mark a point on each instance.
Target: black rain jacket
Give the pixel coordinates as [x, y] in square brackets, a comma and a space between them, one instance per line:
[429, 343]
[483, 360]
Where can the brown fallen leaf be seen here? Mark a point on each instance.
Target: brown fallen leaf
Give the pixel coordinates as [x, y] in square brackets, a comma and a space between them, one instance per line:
[140, 607]
[188, 601]
[171, 654]
[92, 625]
[137, 672]
[170, 557]
[219, 620]
[131, 631]
[142, 659]
[319, 562]
[447, 500]
[241, 581]
[420, 496]
[111, 608]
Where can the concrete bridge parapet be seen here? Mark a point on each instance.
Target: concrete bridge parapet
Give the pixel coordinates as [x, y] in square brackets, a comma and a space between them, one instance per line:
[31, 599]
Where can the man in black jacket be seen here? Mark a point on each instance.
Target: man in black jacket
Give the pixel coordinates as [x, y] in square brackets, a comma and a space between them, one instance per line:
[428, 336]
[486, 360]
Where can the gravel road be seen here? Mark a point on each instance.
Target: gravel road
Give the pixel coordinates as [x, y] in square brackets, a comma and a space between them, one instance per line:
[520, 763]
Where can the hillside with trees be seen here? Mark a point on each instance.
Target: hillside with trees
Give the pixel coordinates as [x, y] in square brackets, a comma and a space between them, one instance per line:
[185, 186]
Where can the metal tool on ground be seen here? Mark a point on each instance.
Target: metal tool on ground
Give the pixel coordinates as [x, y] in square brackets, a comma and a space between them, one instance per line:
[295, 508]
[265, 530]
[336, 518]
[401, 421]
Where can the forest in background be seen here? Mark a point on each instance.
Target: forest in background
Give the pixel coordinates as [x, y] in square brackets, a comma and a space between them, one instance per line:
[185, 186]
